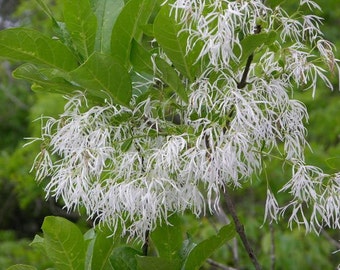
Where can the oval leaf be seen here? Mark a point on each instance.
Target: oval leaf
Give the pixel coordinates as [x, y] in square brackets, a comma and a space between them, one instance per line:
[45, 79]
[166, 31]
[81, 24]
[141, 61]
[103, 247]
[124, 258]
[20, 44]
[134, 15]
[106, 12]
[202, 251]
[168, 238]
[64, 243]
[101, 75]
[251, 42]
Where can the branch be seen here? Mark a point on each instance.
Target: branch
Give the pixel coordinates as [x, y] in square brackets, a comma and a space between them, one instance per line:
[219, 265]
[240, 230]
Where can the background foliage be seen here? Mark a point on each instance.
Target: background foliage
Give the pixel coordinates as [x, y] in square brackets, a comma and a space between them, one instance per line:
[23, 206]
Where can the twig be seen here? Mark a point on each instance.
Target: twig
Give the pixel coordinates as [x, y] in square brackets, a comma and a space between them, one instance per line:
[219, 265]
[330, 239]
[240, 230]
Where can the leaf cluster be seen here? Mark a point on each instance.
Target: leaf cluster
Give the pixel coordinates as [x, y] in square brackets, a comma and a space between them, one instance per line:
[99, 51]
[68, 249]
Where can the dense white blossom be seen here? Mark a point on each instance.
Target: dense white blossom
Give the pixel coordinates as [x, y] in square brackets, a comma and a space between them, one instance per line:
[134, 167]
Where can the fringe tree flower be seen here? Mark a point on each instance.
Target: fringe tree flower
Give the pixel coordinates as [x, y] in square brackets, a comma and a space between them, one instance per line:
[132, 167]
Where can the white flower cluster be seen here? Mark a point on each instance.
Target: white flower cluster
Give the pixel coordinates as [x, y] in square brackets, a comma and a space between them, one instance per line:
[117, 163]
[134, 167]
[263, 114]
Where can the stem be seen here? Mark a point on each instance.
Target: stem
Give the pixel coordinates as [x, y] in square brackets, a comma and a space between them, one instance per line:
[243, 81]
[147, 232]
[240, 230]
[146, 243]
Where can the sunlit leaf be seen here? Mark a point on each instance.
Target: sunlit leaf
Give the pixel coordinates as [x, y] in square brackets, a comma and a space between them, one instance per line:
[20, 44]
[103, 247]
[45, 79]
[174, 43]
[202, 251]
[38, 243]
[168, 238]
[106, 12]
[89, 239]
[81, 24]
[251, 42]
[64, 243]
[141, 61]
[133, 16]
[45, 8]
[101, 75]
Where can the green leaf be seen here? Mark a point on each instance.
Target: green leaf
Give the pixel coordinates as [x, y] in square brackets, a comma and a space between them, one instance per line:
[64, 243]
[272, 36]
[45, 8]
[58, 27]
[20, 44]
[168, 238]
[202, 251]
[251, 42]
[103, 248]
[81, 24]
[187, 246]
[45, 79]
[126, 144]
[101, 75]
[133, 16]
[124, 258]
[144, 263]
[170, 76]
[174, 43]
[106, 12]
[141, 61]
[140, 58]
[38, 243]
[89, 239]
[22, 267]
